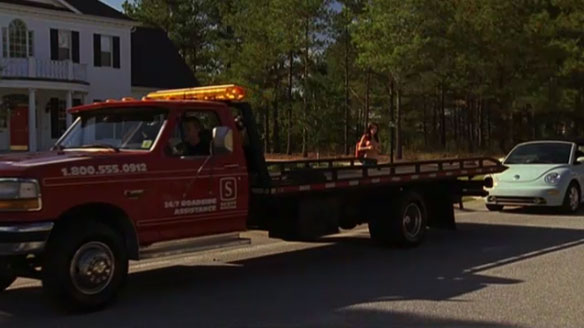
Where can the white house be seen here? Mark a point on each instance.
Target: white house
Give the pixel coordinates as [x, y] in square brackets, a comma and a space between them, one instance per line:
[56, 54]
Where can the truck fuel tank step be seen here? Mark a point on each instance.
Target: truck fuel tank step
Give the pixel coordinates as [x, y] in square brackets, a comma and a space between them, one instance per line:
[192, 245]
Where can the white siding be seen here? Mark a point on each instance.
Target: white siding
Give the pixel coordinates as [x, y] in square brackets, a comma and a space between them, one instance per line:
[105, 82]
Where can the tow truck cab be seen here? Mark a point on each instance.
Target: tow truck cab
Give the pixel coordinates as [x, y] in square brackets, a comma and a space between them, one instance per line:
[119, 167]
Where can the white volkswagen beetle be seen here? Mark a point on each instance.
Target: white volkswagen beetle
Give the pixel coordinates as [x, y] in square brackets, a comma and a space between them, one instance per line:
[540, 173]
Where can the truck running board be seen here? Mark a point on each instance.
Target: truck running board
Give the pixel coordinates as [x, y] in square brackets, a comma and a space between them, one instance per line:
[192, 245]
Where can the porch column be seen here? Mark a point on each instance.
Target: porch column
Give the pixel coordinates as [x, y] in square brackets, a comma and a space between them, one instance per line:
[32, 114]
[69, 105]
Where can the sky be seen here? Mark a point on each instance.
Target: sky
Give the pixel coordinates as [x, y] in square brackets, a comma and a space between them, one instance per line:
[114, 3]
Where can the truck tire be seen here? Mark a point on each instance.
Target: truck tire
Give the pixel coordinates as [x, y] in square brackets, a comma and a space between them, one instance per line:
[494, 207]
[7, 277]
[85, 266]
[405, 226]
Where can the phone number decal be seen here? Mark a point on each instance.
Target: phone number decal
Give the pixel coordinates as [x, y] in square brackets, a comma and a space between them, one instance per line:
[104, 169]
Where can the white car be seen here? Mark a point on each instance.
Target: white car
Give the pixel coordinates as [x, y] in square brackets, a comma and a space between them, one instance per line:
[540, 173]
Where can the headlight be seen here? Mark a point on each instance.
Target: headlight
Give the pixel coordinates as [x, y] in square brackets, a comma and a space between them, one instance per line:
[552, 178]
[19, 195]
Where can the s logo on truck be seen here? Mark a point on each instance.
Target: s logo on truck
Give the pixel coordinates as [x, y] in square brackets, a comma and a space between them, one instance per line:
[228, 189]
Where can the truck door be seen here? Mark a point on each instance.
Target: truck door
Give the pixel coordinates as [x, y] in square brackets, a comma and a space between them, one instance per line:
[197, 198]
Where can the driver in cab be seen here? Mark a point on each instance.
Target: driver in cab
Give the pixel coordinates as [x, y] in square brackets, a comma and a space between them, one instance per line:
[194, 142]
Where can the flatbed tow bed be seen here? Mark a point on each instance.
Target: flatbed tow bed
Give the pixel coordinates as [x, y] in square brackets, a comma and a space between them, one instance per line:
[304, 199]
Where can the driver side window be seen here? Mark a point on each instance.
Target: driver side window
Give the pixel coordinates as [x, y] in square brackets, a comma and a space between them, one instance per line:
[192, 135]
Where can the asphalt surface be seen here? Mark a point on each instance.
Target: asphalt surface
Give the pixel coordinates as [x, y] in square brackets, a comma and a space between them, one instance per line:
[513, 269]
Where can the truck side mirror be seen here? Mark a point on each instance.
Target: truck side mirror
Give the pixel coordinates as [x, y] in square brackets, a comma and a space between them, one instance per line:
[222, 140]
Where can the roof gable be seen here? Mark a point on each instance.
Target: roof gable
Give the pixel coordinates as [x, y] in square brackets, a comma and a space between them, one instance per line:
[96, 8]
[45, 4]
[156, 62]
[83, 7]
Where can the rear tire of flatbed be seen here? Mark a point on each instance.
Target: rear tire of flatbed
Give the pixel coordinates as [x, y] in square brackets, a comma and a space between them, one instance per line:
[405, 224]
[7, 277]
[85, 265]
[494, 207]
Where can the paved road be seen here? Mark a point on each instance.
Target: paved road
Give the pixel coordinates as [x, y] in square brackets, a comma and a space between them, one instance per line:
[512, 269]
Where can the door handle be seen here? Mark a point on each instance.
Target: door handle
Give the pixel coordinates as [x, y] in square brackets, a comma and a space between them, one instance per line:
[134, 194]
[230, 166]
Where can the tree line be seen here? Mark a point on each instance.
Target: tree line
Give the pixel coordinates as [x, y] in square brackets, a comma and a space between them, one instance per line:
[448, 75]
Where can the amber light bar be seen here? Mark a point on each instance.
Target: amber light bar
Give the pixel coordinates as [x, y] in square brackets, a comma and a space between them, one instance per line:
[227, 92]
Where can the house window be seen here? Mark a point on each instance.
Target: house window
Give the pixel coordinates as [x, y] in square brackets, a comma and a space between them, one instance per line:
[64, 52]
[17, 41]
[106, 51]
[64, 45]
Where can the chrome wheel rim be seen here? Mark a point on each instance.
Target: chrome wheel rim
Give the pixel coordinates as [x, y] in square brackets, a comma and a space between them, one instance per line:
[412, 221]
[92, 267]
[574, 198]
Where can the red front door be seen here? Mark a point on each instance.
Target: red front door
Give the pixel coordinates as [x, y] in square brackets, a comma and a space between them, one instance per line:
[19, 128]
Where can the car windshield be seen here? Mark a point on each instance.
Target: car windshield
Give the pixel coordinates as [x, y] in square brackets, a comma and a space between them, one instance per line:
[540, 153]
[115, 128]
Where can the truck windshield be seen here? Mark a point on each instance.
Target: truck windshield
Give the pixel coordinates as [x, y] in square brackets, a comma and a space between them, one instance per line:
[115, 128]
[541, 153]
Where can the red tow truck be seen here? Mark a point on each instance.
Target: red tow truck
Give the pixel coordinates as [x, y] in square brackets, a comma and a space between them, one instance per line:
[116, 187]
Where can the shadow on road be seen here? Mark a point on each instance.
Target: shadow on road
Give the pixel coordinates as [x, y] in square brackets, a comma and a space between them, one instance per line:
[532, 210]
[321, 286]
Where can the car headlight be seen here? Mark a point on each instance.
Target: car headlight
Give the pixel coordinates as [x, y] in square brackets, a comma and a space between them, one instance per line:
[19, 195]
[552, 178]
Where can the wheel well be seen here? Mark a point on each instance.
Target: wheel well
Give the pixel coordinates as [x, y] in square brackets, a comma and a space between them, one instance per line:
[110, 215]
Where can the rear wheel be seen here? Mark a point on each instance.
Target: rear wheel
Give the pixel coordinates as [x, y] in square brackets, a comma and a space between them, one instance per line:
[7, 277]
[572, 199]
[85, 266]
[406, 224]
[494, 208]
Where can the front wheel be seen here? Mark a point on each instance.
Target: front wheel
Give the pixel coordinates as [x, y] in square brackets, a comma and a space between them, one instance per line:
[571, 199]
[85, 266]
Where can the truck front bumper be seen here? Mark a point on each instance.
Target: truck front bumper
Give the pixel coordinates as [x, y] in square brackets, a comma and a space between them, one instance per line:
[19, 239]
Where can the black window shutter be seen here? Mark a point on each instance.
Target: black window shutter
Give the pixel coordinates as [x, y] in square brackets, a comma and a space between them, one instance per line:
[116, 50]
[75, 46]
[96, 50]
[54, 44]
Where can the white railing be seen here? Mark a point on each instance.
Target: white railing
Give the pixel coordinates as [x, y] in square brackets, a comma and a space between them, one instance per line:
[14, 67]
[80, 72]
[42, 69]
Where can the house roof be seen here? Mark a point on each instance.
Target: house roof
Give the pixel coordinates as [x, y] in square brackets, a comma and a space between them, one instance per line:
[156, 62]
[35, 4]
[96, 8]
[86, 7]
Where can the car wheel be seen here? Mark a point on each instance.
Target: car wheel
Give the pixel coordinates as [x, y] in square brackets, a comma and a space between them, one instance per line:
[494, 208]
[572, 199]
